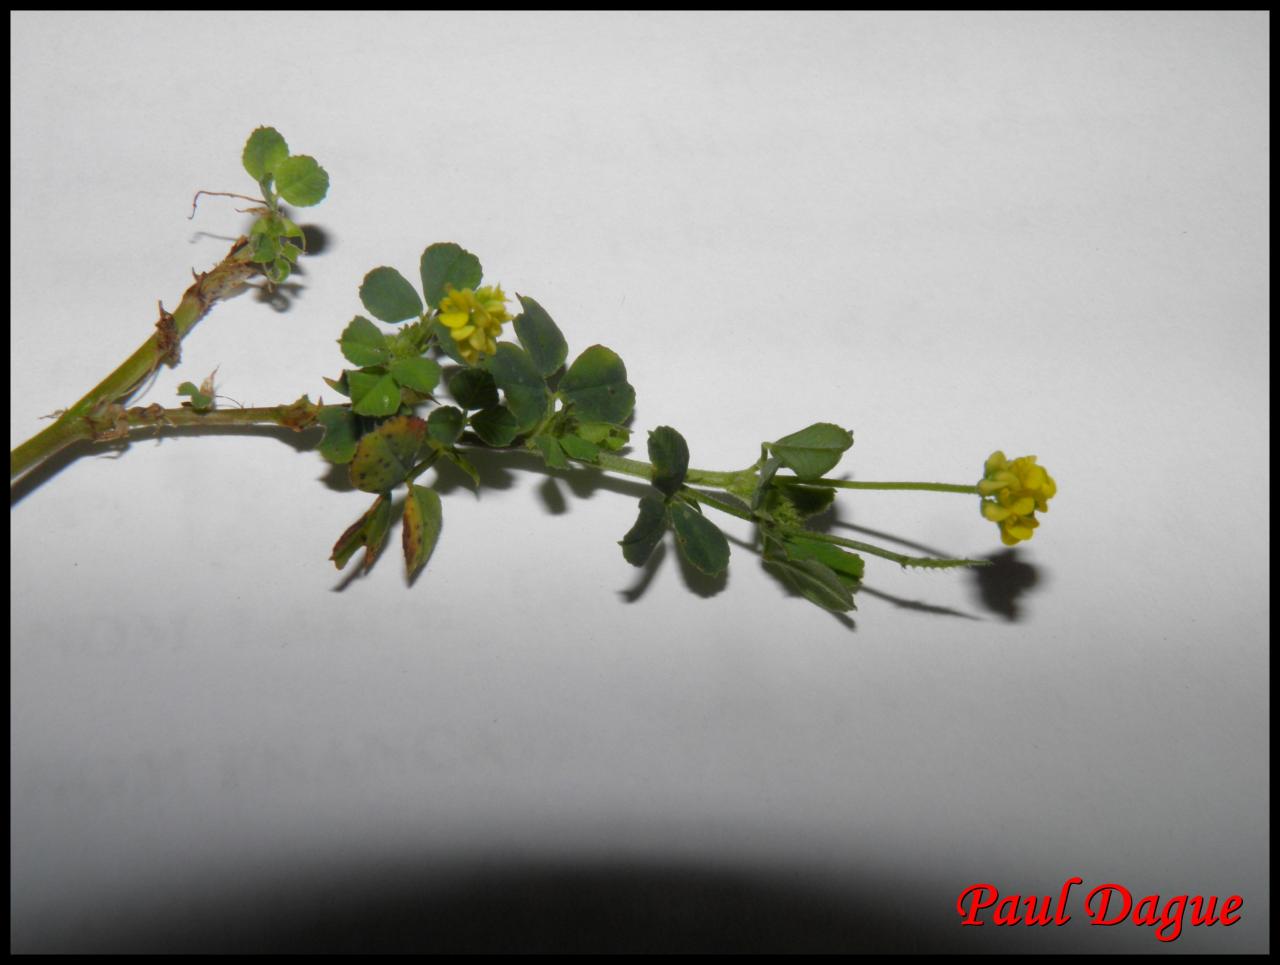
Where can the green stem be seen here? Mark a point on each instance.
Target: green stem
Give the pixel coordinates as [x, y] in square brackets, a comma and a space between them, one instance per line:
[303, 414]
[928, 487]
[716, 502]
[77, 421]
[644, 470]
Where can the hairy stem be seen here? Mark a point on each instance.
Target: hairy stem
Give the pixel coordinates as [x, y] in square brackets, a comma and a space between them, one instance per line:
[86, 418]
[925, 486]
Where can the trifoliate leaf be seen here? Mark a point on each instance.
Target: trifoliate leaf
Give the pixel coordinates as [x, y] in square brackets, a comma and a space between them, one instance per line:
[496, 425]
[814, 450]
[514, 372]
[263, 152]
[451, 265]
[669, 454]
[363, 343]
[596, 384]
[388, 296]
[301, 181]
[473, 389]
[373, 393]
[417, 373]
[699, 540]
[445, 424]
[341, 431]
[540, 336]
[368, 531]
[422, 522]
[643, 537]
[384, 456]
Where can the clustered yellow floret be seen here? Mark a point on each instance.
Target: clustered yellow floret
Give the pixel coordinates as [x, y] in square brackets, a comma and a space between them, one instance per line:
[1012, 492]
[474, 319]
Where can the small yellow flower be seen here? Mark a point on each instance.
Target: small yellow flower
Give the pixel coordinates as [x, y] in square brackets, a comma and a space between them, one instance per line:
[474, 319]
[1013, 492]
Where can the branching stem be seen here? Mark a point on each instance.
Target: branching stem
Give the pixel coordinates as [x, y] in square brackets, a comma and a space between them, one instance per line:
[76, 422]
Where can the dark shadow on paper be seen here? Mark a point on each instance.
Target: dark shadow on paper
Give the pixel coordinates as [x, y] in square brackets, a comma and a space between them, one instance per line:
[491, 906]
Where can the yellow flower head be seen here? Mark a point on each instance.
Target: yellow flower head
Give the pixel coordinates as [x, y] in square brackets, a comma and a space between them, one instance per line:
[474, 319]
[1012, 492]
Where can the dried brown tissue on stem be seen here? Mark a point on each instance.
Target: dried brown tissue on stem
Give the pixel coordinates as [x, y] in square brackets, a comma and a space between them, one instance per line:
[98, 415]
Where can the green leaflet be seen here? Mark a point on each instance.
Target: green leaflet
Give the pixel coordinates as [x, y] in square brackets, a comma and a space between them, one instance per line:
[812, 451]
[597, 385]
[669, 454]
[445, 424]
[368, 531]
[301, 181]
[374, 393]
[643, 537]
[515, 373]
[341, 432]
[384, 456]
[540, 337]
[551, 451]
[363, 343]
[473, 389]
[444, 266]
[263, 152]
[423, 520]
[417, 373]
[496, 426]
[699, 540]
[200, 401]
[388, 296]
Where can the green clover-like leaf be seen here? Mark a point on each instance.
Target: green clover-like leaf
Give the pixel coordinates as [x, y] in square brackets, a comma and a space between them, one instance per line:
[388, 295]
[473, 389]
[669, 454]
[518, 377]
[385, 456]
[341, 432]
[363, 343]
[445, 424]
[699, 540]
[368, 531]
[417, 373]
[814, 450]
[373, 393]
[645, 535]
[446, 265]
[263, 152]
[597, 385]
[301, 181]
[423, 520]
[540, 336]
[495, 425]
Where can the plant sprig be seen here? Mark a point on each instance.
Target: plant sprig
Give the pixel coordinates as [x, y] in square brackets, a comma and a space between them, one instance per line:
[508, 395]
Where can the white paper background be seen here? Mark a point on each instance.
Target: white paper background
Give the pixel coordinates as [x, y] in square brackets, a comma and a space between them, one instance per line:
[1042, 233]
